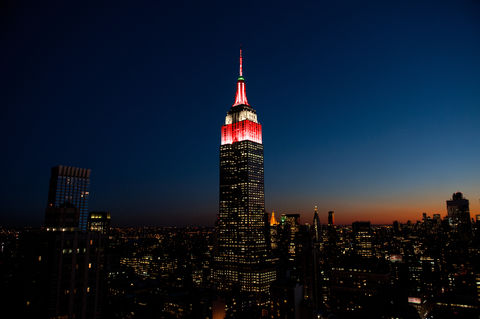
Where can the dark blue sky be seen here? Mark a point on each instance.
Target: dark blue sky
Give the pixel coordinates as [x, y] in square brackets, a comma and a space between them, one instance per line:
[369, 108]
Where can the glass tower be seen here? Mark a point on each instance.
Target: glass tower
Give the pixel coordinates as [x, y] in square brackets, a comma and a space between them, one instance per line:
[242, 260]
[69, 188]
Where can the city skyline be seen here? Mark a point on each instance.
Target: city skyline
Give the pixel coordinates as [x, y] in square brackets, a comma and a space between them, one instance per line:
[361, 124]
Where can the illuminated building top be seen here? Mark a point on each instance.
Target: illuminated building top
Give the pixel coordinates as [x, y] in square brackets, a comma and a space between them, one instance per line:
[273, 221]
[241, 122]
[241, 95]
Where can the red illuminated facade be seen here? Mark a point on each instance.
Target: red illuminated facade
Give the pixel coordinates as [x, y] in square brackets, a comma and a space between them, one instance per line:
[241, 121]
[241, 131]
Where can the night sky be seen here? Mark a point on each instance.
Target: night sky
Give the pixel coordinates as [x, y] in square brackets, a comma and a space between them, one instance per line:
[369, 108]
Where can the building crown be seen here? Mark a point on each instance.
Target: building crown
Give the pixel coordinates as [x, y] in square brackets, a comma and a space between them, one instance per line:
[241, 95]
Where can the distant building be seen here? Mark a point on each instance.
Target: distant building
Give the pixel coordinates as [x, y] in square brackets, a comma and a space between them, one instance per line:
[274, 235]
[99, 221]
[356, 286]
[291, 228]
[69, 188]
[273, 221]
[396, 227]
[331, 218]
[316, 225]
[362, 233]
[458, 214]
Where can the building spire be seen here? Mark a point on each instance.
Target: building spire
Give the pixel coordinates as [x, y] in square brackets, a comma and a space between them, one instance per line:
[241, 60]
[241, 95]
[273, 221]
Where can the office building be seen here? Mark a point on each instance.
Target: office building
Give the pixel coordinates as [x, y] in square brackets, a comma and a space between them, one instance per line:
[362, 233]
[99, 221]
[69, 188]
[316, 225]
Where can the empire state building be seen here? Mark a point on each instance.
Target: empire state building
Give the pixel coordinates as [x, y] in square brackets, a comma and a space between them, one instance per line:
[242, 254]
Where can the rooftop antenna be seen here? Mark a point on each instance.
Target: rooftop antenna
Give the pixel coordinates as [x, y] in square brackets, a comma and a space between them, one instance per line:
[241, 61]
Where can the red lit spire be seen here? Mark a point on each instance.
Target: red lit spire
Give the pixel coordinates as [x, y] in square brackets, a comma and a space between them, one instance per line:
[241, 62]
[241, 95]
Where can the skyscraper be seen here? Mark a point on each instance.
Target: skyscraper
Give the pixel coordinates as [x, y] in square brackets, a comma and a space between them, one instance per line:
[242, 253]
[69, 188]
[362, 233]
[316, 225]
[331, 218]
[63, 263]
[458, 214]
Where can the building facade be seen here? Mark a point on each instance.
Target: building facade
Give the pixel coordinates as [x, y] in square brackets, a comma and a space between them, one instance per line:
[242, 260]
[69, 188]
[62, 274]
[99, 221]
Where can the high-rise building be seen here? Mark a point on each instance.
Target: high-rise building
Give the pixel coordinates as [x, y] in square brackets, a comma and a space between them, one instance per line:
[273, 221]
[69, 188]
[62, 273]
[242, 253]
[63, 263]
[362, 233]
[274, 232]
[316, 225]
[291, 228]
[458, 215]
[331, 218]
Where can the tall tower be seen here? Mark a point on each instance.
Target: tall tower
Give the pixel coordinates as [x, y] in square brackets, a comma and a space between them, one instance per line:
[331, 218]
[458, 214]
[69, 189]
[316, 225]
[242, 253]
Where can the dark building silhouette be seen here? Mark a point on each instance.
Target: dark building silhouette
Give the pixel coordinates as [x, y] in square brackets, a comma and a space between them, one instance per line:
[331, 218]
[99, 221]
[458, 214]
[288, 249]
[66, 217]
[61, 273]
[61, 265]
[242, 253]
[362, 233]
[359, 288]
[274, 234]
[316, 225]
[69, 187]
